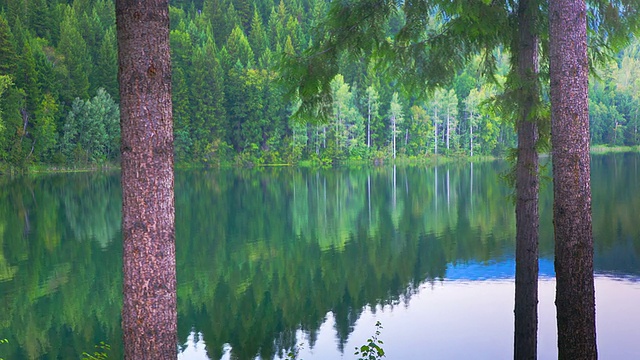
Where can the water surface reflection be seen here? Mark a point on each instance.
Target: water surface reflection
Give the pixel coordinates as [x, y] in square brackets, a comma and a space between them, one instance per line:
[268, 258]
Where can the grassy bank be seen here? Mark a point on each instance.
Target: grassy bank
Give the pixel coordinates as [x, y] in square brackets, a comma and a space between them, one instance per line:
[603, 149]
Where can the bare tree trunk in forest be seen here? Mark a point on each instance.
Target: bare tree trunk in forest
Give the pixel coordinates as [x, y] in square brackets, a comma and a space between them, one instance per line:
[447, 125]
[393, 124]
[369, 122]
[435, 129]
[471, 133]
[527, 185]
[575, 294]
[149, 314]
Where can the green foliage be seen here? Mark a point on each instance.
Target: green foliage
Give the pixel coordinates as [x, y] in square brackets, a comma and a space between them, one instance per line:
[75, 58]
[3, 341]
[101, 353]
[234, 63]
[372, 349]
[294, 352]
[5, 82]
[91, 131]
[8, 56]
[45, 128]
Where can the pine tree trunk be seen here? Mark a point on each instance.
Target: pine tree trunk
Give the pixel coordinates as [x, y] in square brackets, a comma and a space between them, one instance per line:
[575, 294]
[149, 315]
[527, 188]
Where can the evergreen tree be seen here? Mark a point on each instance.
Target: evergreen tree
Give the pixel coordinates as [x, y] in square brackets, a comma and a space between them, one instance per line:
[243, 10]
[275, 113]
[47, 71]
[257, 133]
[276, 25]
[8, 56]
[149, 258]
[258, 36]
[239, 49]
[40, 19]
[5, 83]
[76, 58]
[44, 132]
[214, 11]
[17, 10]
[569, 72]
[105, 73]
[17, 139]
[181, 115]
[27, 79]
[231, 21]
[208, 123]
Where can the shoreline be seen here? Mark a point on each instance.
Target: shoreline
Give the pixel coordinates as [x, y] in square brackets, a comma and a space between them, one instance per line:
[428, 160]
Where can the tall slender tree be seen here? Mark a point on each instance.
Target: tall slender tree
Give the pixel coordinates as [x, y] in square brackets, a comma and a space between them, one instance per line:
[395, 118]
[526, 80]
[8, 56]
[569, 73]
[76, 58]
[149, 313]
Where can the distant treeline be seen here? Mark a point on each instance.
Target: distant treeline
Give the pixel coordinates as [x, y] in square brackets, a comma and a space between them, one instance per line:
[59, 91]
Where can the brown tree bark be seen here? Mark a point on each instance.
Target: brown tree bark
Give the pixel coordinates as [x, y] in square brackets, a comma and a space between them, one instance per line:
[527, 185]
[575, 295]
[149, 314]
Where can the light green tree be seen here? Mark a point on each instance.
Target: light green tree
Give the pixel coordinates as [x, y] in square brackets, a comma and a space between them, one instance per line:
[44, 132]
[373, 105]
[396, 118]
[436, 105]
[450, 107]
[420, 129]
[472, 105]
[5, 82]
[342, 97]
[91, 130]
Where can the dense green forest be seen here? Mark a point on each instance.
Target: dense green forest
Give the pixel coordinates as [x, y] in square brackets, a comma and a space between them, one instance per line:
[59, 91]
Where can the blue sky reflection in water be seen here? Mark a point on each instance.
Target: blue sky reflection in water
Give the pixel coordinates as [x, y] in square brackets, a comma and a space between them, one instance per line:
[470, 316]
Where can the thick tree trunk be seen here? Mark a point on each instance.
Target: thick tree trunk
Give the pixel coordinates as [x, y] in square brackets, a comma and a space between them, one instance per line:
[527, 187]
[575, 295]
[149, 315]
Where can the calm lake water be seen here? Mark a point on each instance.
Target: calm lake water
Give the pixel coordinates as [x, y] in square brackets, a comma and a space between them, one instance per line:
[271, 258]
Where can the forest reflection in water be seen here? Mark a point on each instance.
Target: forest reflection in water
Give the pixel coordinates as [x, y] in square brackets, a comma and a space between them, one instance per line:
[268, 258]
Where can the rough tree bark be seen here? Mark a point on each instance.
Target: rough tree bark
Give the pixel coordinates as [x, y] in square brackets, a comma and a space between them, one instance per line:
[149, 315]
[527, 185]
[575, 295]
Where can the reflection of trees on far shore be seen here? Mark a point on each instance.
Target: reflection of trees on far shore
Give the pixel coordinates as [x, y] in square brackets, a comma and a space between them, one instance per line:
[263, 253]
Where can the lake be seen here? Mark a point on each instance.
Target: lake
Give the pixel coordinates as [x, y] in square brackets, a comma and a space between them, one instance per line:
[274, 258]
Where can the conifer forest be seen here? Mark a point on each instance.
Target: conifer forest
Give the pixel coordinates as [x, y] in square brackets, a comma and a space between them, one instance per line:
[59, 92]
